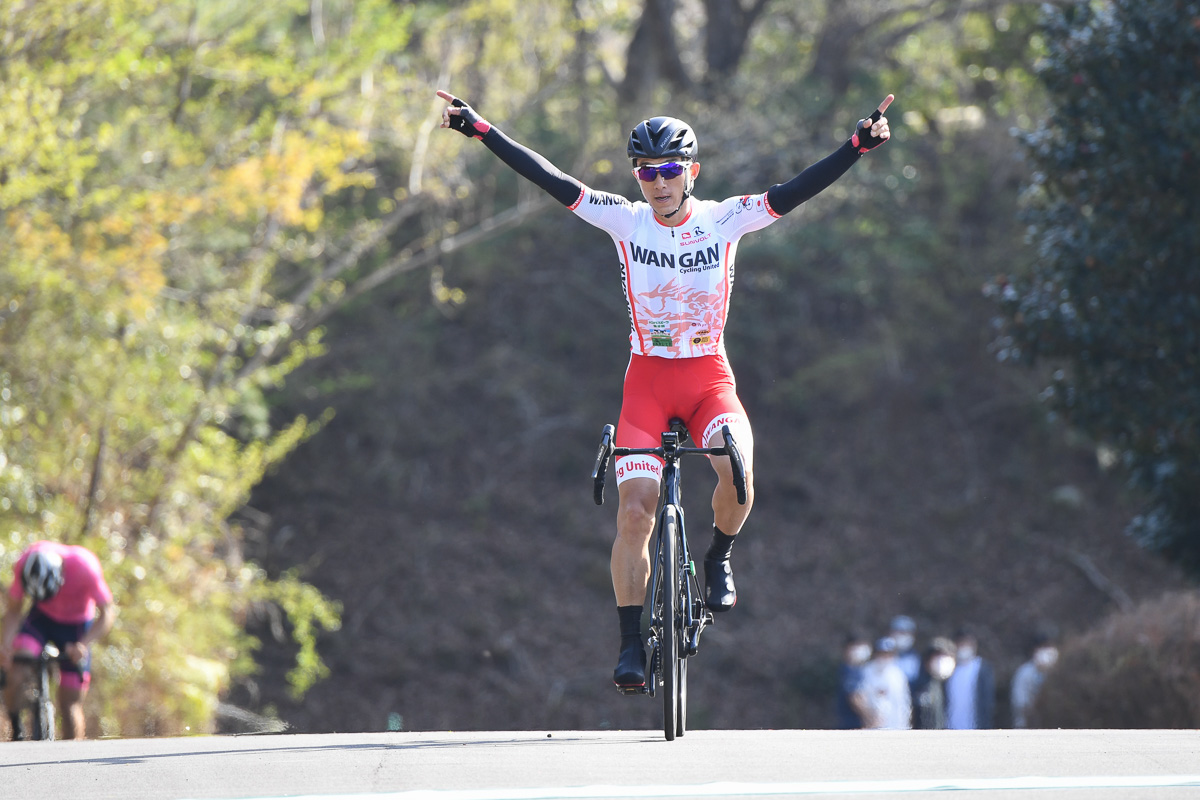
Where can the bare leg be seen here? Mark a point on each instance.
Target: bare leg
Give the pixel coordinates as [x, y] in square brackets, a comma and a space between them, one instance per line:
[728, 514]
[631, 573]
[14, 697]
[728, 518]
[70, 700]
[631, 549]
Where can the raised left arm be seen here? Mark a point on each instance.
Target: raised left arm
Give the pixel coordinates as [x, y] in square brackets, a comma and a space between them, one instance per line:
[868, 134]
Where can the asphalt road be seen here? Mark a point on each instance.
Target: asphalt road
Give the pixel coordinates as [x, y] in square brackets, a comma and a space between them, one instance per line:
[975, 765]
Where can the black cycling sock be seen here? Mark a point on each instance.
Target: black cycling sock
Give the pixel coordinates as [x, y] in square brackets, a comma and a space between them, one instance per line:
[631, 622]
[721, 547]
[14, 719]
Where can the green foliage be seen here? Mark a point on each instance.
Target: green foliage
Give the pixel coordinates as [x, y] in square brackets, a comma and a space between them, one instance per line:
[1114, 295]
[186, 190]
[166, 170]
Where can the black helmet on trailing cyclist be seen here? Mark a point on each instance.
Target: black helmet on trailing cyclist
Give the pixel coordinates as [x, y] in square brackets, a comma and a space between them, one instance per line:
[42, 575]
[662, 137]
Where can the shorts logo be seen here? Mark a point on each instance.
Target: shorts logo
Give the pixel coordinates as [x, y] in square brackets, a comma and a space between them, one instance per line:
[630, 467]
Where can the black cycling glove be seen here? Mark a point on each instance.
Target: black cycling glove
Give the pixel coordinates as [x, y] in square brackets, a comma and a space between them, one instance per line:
[862, 138]
[467, 122]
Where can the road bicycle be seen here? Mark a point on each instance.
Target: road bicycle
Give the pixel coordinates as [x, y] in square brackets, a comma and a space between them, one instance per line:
[39, 700]
[678, 614]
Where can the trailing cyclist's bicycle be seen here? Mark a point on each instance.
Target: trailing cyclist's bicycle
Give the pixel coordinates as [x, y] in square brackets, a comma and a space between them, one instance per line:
[38, 698]
[677, 612]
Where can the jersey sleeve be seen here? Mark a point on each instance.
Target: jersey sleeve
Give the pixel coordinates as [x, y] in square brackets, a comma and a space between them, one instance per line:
[609, 212]
[16, 592]
[737, 216]
[100, 591]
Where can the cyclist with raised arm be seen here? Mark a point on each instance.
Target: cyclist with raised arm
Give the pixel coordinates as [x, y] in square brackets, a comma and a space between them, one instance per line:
[72, 607]
[676, 254]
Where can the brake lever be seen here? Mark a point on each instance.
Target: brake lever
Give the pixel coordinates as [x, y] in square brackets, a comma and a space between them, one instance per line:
[600, 471]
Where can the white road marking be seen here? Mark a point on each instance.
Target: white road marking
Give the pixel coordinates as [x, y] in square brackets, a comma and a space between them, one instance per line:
[734, 789]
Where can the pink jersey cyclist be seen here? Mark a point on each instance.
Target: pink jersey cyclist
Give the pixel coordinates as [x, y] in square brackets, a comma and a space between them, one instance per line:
[72, 606]
[83, 586]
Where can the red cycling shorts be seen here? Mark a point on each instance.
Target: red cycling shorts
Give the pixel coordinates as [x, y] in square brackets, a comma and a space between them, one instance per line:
[700, 391]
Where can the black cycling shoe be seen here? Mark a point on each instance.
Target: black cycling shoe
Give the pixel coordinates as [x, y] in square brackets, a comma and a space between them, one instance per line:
[630, 673]
[719, 591]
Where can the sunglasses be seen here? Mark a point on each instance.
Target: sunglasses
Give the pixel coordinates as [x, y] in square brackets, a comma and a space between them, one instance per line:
[649, 174]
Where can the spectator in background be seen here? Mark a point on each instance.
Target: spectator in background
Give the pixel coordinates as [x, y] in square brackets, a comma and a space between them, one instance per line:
[904, 631]
[883, 700]
[971, 689]
[1027, 680]
[929, 695]
[856, 651]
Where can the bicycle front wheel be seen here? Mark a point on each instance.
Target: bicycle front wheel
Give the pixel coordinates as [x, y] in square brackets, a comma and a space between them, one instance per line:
[42, 717]
[669, 553]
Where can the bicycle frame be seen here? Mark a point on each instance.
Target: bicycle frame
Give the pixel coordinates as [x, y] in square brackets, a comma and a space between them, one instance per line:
[693, 621]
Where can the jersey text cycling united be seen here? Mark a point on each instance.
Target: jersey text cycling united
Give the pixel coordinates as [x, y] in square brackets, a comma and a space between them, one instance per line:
[678, 279]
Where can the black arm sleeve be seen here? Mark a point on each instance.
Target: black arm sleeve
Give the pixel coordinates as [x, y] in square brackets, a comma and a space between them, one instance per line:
[534, 167]
[785, 197]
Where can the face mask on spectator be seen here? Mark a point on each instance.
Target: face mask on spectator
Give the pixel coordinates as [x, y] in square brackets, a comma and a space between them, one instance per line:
[904, 641]
[859, 654]
[940, 667]
[966, 652]
[1046, 657]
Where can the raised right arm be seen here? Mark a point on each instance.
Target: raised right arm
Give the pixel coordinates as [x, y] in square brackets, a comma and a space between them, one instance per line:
[525, 162]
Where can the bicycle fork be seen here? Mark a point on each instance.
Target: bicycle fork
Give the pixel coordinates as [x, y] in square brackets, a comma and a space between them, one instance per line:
[696, 617]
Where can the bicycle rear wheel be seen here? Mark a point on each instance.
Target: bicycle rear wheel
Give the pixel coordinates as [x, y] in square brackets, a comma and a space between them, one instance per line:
[681, 713]
[669, 553]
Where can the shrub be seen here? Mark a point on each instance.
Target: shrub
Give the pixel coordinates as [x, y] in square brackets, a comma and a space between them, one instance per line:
[1139, 669]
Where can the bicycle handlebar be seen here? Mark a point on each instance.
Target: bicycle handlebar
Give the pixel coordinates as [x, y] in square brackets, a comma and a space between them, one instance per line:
[736, 462]
[601, 469]
[608, 451]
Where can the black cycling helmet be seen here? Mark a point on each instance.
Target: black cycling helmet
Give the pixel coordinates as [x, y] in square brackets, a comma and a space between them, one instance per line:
[662, 137]
[42, 576]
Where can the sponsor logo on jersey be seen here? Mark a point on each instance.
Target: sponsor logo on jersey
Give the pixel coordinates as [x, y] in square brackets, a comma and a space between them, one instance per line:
[701, 338]
[694, 236]
[652, 258]
[660, 333]
[606, 199]
[701, 260]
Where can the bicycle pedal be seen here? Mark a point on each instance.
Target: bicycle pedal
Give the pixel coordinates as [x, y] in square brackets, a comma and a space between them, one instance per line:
[630, 691]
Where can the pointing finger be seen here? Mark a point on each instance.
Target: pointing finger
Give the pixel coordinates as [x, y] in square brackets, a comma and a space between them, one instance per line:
[445, 95]
[887, 101]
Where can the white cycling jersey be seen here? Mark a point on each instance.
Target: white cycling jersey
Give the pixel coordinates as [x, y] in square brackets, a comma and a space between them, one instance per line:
[677, 279]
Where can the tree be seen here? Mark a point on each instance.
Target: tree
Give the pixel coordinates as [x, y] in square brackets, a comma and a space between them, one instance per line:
[1113, 300]
[186, 191]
